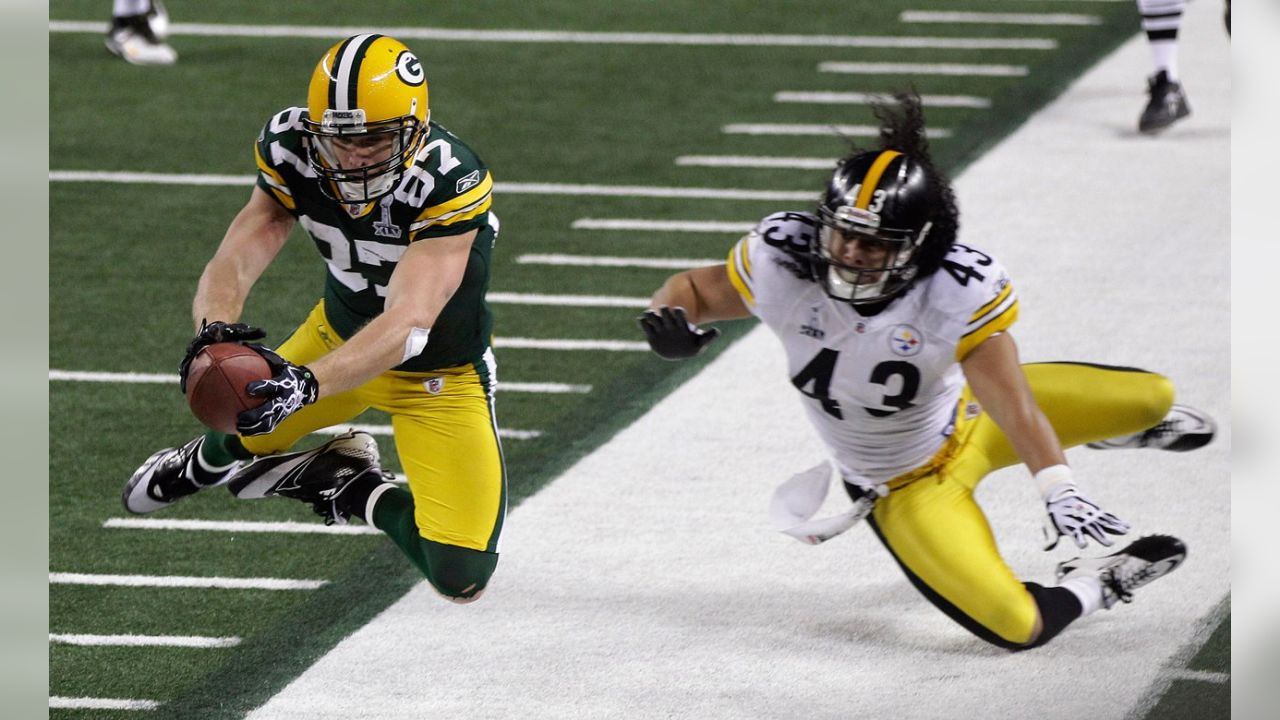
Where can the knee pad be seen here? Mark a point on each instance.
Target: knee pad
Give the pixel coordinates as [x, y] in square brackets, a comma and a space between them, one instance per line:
[459, 574]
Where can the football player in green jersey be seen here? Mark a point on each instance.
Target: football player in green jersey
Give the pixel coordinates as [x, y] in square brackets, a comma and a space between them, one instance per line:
[399, 209]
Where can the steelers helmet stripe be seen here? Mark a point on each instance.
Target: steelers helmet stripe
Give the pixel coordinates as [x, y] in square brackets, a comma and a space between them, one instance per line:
[871, 180]
[346, 71]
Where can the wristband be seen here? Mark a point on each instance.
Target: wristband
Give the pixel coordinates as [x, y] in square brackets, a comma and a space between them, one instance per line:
[1052, 476]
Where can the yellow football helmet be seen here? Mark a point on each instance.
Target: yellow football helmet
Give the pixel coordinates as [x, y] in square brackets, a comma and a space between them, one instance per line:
[368, 117]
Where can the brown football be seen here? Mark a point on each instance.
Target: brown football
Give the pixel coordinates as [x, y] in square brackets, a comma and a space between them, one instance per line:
[216, 381]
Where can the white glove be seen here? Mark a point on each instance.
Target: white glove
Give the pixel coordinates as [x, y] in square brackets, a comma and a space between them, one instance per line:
[1070, 514]
[797, 500]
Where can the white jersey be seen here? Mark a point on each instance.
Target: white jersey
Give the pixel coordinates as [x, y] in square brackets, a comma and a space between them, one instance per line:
[883, 391]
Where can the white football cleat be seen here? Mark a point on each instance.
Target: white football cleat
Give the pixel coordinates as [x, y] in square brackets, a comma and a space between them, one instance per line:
[135, 38]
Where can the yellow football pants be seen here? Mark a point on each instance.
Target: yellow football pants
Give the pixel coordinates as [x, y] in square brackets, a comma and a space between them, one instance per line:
[445, 436]
[939, 535]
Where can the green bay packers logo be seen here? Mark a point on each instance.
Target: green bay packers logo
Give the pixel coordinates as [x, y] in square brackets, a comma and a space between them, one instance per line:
[409, 69]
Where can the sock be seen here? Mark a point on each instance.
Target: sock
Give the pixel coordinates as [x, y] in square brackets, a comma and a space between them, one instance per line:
[1088, 590]
[220, 449]
[205, 471]
[128, 8]
[1058, 606]
[1161, 20]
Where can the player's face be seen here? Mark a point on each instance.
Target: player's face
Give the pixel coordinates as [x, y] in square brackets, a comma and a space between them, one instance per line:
[359, 151]
[857, 250]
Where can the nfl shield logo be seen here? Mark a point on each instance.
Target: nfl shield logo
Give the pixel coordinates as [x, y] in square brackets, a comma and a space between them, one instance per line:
[434, 385]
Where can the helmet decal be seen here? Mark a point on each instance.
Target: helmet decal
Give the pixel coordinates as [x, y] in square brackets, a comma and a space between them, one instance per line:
[871, 181]
[409, 69]
[345, 79]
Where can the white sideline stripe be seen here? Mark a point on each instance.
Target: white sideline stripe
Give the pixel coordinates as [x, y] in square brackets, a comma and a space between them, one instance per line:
[91, 176]
[541, 344]
[161, 378]
[846, 130]
[192, 641]
[387, 430]
[85, 703]
[1200, 675]
[887, 68]
[567, 300]
[746, 161]
[590, 38]
[244, 526]
[859, 98]
[663, 225]
[931, 16]
[602, 261]
[223, 583]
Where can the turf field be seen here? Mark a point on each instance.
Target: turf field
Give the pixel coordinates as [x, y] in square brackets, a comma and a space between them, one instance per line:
[583, 130]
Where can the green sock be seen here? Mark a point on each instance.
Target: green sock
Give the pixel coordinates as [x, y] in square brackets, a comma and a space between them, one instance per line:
[221, 449]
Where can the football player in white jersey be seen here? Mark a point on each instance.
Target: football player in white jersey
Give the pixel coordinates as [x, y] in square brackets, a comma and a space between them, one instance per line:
[899, 336]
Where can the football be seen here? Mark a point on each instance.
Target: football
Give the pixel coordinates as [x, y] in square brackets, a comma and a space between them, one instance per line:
[216, 381]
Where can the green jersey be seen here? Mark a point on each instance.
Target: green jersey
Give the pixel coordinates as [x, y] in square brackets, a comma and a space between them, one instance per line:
[446, 191]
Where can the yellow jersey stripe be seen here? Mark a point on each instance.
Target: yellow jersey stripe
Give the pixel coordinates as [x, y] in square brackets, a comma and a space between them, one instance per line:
[735, 277]
[997, 323]
[456, 216]
[269, 171]
[744, 256]
[466, 199]
[872, 179]
[284, 200]
[1008, 289]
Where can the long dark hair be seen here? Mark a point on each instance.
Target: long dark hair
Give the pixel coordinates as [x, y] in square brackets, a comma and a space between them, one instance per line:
[902, 128]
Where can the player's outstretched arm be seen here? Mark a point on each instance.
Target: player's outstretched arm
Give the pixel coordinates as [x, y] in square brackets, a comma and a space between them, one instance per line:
[685, 299]
[425, 278]
[251, 242]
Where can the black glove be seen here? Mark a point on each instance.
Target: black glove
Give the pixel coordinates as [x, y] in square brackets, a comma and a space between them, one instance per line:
[672, 336]
[291, 387]
[211, 333]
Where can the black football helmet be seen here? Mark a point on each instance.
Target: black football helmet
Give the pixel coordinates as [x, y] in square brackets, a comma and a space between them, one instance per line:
[883, 198]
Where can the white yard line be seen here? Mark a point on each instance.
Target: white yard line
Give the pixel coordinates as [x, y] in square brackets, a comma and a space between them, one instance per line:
[86, 703]
[238, 526]
[680, 601]
[600, 301]
[804, 129]
[748, 161]
[686, 226]
[186, 641]
[1200, 676]
[588, 38]
[988, 18]
[610, 261]
[512, 188]
[895, 68]
[168, 379]
[571, 345]
[861, 98]
[177, 581]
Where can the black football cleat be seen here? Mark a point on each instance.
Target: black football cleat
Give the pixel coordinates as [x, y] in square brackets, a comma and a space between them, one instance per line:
[166, 477]
[1168, 104]
[1184, 428]
[317, 477]
[1143, 561]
